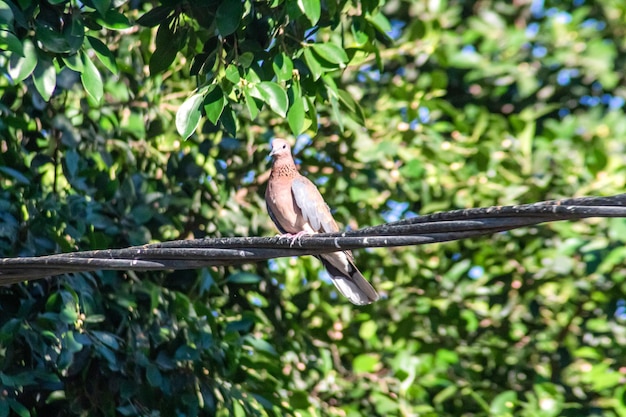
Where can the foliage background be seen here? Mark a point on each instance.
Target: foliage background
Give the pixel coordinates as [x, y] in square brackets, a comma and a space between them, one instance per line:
[399, 108]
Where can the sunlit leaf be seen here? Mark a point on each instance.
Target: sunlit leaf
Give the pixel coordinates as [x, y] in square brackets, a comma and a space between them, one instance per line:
[188, 115]
[330, 52]
[103, 53]
[274, 96]
[312, 9]
[45, 77]
[20, 67]
[91, 79]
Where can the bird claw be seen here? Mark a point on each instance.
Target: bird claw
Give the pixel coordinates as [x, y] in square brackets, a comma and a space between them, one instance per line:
[294, 237]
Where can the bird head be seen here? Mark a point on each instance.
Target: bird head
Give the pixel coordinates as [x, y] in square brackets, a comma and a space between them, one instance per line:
[280, 149]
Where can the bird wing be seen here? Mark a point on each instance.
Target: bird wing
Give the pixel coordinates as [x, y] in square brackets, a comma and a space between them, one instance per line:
[312, 205]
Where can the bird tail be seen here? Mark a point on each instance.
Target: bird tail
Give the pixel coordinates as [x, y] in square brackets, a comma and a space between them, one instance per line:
[348, 279]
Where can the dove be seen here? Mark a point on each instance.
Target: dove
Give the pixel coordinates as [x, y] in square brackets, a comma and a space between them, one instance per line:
[296, 207]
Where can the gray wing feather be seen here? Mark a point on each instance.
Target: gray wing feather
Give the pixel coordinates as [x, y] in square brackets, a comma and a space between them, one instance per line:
[312, 205]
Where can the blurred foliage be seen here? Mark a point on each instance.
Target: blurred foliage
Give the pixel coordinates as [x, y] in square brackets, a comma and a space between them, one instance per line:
[398, 108]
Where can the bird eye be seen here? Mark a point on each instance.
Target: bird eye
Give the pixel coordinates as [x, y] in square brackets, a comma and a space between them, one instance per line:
[284, 146]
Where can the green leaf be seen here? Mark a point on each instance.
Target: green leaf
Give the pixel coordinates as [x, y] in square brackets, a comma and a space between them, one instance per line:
[6, 15]
[356, 112]
[167, 44]
[74, 34]
[283, 67]
[102, 6]
[366, 363]
[153, 375]
[91, 79]
[312, 112]
[188, 115]
[229, 121]
[156, 16]
[312, 9]
[4, 402]
[243, 278]
[295, 116]
[331, 53]
[381, 23]
[251, 105]
[334, 105]
[114, 20]
[20, 67]
[51, 40]
[70, 343]
[17, 176]
[107, 339]
[103, 53]
[18, 408]
[274, 96]
[214, 103]
[74, 62]
[45, 77]
[314, 66]
[246, 59]
[10, 42]
[232, 74]
[228, 16]
[503, 404]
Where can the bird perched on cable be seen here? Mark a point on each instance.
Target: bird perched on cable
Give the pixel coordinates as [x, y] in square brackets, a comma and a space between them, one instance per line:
[296, 207]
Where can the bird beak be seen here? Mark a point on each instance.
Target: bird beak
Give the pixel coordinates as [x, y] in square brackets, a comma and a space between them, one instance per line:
[273, 152]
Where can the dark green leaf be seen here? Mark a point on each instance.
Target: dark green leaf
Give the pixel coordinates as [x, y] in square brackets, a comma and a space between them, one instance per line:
[153, 376]
[51, 40]
[167, 45]
[102, 6]
[74, 33]
[114, 20]
[16, 175]
[188, 115]
[18, 408]
[214, 103]
[156, 16]
[228, 16]
[229, 121]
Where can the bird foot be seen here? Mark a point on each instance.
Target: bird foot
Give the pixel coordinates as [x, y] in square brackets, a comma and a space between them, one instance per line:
[294, 237]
